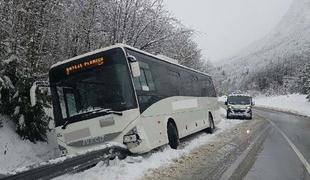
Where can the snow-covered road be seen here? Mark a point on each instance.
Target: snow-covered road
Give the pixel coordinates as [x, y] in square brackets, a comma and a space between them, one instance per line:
[285, 154]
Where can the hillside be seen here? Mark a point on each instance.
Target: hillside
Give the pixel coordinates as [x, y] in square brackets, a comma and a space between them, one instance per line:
[284, 50]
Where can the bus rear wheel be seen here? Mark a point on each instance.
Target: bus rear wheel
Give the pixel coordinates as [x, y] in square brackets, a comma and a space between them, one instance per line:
[173, 135]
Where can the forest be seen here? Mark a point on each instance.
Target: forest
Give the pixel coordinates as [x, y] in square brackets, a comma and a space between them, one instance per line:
[35, 34]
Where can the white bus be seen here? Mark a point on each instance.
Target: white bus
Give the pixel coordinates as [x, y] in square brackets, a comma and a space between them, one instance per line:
[129, 96]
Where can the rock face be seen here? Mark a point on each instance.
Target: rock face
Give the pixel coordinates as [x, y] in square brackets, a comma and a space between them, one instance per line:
[287, 46]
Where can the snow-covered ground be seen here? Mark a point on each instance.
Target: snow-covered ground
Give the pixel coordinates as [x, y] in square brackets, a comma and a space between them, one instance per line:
[222, 98]
[16, 153]
[294, 103]
[137, 167]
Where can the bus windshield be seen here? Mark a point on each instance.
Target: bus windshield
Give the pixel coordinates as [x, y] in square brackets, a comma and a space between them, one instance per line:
[242, 100]
[81, 95]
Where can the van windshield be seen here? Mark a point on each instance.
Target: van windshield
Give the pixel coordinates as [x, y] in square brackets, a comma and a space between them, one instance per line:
[242, 100]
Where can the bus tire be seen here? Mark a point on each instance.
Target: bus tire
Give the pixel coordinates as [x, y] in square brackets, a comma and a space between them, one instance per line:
[173, 135]
[227, 115]
[211, 128]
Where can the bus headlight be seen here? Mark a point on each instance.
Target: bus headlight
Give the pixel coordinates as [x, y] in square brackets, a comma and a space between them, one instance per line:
[131, 137]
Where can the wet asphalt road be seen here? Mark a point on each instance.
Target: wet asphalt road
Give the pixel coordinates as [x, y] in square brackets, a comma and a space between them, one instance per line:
[277, 159]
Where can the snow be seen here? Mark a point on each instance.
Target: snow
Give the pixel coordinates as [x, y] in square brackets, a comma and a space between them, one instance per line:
[222, 98]
[294, 103]
[11, 59]
[21, 121]
[137, 167]
[16, 110]
[17, 153]
[63, 158]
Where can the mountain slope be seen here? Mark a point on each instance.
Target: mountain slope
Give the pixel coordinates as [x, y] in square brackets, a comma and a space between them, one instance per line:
[284, 50]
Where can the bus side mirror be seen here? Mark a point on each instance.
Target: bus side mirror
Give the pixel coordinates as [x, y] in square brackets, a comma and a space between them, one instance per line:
[253, 103]
[226, 103]
[134, 64]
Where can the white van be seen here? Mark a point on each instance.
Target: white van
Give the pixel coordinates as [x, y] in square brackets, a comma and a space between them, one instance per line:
[239, 106]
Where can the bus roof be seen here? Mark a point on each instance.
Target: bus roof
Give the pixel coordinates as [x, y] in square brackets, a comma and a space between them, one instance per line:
[123, 46]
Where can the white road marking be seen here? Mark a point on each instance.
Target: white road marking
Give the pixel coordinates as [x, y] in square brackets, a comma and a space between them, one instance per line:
[244, 155]
[298, 153]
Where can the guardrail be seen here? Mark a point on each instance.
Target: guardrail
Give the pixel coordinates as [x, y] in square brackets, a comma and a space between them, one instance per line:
[52, 169]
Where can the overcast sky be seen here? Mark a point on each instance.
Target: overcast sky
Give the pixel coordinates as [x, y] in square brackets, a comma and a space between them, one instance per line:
[224, 27]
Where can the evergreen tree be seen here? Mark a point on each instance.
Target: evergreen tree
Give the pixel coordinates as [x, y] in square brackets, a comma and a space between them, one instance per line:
[32, 122]
[19, 65]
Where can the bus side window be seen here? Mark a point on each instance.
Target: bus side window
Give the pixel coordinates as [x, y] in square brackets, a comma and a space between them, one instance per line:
[204, 87]
[145, 81]
[175, 81]
[203, 92]
[210, 91]
[195, 86]
[137, 83]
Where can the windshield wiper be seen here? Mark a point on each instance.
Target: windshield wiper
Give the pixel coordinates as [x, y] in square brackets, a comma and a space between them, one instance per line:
[64, 126]
[107, 111]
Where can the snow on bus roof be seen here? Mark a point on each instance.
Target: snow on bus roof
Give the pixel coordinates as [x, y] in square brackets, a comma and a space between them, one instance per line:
[163, 59]
[129, 47]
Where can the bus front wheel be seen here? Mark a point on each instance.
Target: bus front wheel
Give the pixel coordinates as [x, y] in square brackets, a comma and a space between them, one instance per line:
[173, 135]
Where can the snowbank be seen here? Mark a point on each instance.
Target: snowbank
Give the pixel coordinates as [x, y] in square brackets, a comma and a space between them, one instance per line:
[222, 98]
[137, 167]
[16, 153]
[294, 103]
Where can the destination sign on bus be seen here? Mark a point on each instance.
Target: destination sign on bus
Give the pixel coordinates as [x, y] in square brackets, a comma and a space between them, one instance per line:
[77, 67]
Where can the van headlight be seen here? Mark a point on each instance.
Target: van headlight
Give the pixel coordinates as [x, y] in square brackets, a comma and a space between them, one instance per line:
[249, 109]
